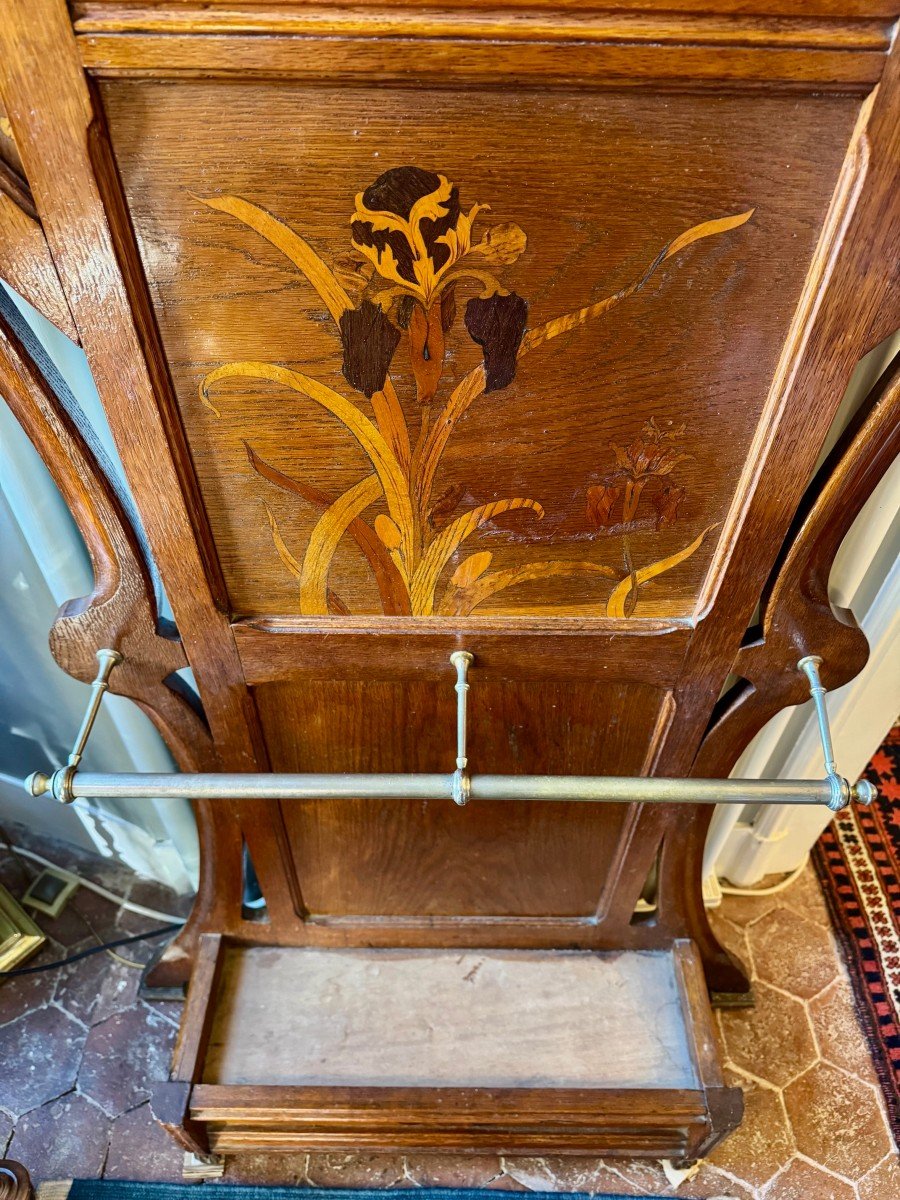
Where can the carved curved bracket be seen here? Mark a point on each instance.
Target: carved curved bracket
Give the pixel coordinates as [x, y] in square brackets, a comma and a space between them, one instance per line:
[797, 616]
[120, 611]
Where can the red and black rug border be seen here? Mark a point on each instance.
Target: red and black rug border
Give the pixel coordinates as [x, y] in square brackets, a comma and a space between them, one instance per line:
[877, 1000]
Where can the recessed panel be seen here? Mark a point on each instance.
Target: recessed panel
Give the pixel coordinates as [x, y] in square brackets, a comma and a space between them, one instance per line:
[455, 352]
[380, 1018]
[407, 858]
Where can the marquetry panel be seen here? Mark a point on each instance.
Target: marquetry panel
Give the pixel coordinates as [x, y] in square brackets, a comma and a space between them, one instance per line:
[589, 475]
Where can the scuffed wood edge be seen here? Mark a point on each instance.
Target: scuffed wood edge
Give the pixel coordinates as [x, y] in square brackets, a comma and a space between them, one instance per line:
[25, 260]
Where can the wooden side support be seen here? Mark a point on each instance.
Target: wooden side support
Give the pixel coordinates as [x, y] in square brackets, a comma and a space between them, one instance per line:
[170, 1101]
[120, 612]
[797, 616]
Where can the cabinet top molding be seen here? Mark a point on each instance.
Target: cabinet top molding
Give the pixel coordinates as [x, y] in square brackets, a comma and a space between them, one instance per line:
[721, 43]
[659, 11]
[865, 25]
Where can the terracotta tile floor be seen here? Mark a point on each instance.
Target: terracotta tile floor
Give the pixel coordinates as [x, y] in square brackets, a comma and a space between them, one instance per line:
[77, 1048]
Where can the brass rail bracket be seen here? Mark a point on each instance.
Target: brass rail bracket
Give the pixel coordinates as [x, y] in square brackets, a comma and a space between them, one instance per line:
[59, 784]
[842, 792]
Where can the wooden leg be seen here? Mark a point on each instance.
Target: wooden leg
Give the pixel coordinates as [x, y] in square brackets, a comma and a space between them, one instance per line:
[202, 1167]
[169, 1104]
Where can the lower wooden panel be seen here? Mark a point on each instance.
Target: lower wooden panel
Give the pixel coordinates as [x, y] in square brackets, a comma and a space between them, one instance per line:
[657, 1124]
[398, 1018]
[397, 858]
[529, 1052]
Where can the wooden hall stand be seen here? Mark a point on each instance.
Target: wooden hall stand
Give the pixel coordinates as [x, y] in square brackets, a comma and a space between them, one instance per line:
[367, 423]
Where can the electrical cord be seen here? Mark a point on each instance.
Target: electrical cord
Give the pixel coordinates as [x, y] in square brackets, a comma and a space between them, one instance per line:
[128, 905]
[73, 958]
[767, 891]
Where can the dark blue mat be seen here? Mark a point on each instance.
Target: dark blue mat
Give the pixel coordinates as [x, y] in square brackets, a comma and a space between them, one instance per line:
[111, 1189]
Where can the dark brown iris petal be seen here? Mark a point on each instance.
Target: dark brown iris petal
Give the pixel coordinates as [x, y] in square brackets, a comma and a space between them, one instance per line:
[396, 191]
[369, 340]
[497, 325]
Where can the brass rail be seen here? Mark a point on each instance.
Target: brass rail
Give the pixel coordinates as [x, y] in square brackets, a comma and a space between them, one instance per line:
[69, 783]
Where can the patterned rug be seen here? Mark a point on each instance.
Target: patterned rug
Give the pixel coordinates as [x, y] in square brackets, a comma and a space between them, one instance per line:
[858, 861]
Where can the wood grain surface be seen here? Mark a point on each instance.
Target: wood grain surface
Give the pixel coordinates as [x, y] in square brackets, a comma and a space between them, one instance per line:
[184, 158]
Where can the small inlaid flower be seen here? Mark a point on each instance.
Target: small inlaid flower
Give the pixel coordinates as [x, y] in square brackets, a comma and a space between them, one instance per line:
[651, 454]
[666, 504]
[601, 499]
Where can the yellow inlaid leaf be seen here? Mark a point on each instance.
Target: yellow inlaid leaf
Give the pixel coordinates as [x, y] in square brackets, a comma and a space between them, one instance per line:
[283, 553]
[552, 329]
[459, 602]
[472, 386]
[388, 532]
[291, 244]
[386, 406]
[469, 570]
[445, 544]
[324, 539]
[502, 244]
[618, 603]
[707, 229]
[390, 474]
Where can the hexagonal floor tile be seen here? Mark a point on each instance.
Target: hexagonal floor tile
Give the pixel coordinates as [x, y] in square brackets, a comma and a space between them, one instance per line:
[882, 1181]
[61, 1140]
[123, 1057]
[761, 1144]
[141, 1150]
[355, 1170]
[578, 1173]
[86, 917]
[282, 1169]
[838, 1032]
[747, 910]
[802, 1181]
[24, 993]
[793, 953]
[451, 1170]
[805, 896]
[44, 1049]
[773, 1040]
[6, 1130]
[712, 1184]
[94, 988]
[837, 1120]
